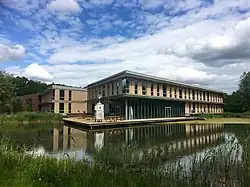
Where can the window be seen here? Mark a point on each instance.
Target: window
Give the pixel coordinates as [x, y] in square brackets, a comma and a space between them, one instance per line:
[144, 88]
[208, 96]
[70, 95]
[164, 90]
[53, 94]
[69, 108]
[103, 90]
[200, 95]
[204, 96]
[108, 90]
[61, 107]
[175, 93]
[61, 94]
[185, 94]
[52, 107]
[170, 92]
[158, 90]
[193, 93]
[117, 87]
[136, 86]
[125, 85]
[180, 93]
[112, 88]
[152, 89]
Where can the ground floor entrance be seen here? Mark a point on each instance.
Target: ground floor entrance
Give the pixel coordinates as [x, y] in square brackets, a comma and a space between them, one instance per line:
[142, 108]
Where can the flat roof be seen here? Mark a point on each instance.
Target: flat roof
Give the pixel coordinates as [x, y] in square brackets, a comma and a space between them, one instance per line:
[150, 78]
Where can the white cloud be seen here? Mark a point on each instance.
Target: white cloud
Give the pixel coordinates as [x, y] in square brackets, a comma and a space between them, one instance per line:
[8, 52]
[64, 6]
[37, 72]
[218, 49]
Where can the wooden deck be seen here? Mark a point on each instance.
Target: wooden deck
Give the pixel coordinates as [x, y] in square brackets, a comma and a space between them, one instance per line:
[90, 124]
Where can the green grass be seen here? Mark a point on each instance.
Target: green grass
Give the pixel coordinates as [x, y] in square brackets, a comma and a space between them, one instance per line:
[29, 117]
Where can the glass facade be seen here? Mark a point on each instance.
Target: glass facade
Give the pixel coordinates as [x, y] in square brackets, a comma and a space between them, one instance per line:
[141, 108]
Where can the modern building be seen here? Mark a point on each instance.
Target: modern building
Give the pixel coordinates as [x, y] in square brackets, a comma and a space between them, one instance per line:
[30, 102]
[138, 96]
[64, 99]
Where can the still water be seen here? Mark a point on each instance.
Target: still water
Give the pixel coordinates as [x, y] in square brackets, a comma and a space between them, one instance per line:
[183, 139]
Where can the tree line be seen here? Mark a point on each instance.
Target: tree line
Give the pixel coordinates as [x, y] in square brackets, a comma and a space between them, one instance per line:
[239, 100]
[11, 88]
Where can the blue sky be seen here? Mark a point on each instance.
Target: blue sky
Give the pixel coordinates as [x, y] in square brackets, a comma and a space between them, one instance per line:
[76, 42]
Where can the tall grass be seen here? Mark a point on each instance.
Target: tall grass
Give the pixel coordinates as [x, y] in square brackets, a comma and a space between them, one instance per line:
[226, 165]
[225, 115]
[30, 117]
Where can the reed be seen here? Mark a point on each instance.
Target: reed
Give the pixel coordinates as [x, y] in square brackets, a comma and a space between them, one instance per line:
[226, 165]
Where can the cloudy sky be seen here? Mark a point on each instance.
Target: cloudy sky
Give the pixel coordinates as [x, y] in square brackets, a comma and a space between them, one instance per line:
[76, 42]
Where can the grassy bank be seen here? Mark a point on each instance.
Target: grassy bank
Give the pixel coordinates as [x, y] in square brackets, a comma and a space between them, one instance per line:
[123, 166]
[30, 117]
[224, 115]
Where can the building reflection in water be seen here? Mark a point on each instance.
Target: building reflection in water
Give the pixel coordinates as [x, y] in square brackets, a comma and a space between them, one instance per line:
[181, 138]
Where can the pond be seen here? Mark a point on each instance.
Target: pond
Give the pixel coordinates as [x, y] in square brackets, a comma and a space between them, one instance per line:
[183, 140]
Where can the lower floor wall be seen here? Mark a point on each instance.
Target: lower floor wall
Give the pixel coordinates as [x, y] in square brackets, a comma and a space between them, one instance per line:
[65, 108]
[141, 108]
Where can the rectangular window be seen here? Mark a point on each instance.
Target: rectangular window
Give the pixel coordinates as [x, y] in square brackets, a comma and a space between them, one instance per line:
[61, 107]
[136, 86]
[112, 88]
[61, 94]
[103, 90]
[193, 94]
[117, 87]
[204, 94]
[52, 107]
[108, 90]
[170, 92]
[185, 94]
[180, 93]
[69, 108]
[152, 89]
[125, 85]
[158, 90]
[70, 95]
[175, 93]
[144, 88]
[200, 95]
[53, 94]
[164, 90]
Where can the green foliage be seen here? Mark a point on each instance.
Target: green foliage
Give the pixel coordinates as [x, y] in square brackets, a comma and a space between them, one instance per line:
[13, 87]
[6, 92]
[239, 101]
[21, 117]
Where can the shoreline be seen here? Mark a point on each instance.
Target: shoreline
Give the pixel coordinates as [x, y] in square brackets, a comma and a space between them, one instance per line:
[243, 121]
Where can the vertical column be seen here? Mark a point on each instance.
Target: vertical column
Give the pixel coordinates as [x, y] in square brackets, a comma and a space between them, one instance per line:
[139, 87]
[177, 92]
[173, 91]
[196, 108]
[131, 86]
[126, 108]
[65, 137]
[168, 91]
[183, 93]
[55, 139]
[56, 107]
[161, 90]
[155, 89]
[148, 89]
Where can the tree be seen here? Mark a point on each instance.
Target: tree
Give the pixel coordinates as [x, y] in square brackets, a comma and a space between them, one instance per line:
[244, 91]
[7, 92]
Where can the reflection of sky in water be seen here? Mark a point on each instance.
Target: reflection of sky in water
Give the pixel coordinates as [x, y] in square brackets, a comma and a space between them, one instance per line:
[84, 142]
[231, 149]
